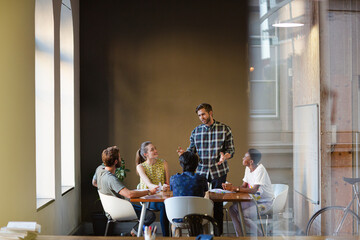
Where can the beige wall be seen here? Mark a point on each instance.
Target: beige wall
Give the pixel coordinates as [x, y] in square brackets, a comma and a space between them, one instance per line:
[173, 79]
[143, 74]
[17, 124]
[17, 173]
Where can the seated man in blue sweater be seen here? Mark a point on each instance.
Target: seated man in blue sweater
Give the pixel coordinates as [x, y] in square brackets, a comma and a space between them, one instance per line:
[188, 183]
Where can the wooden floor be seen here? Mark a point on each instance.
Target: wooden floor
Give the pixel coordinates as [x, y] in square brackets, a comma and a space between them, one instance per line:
[44, 237]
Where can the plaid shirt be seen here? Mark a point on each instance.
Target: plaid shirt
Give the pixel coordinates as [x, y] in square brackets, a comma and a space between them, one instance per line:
[208, 142]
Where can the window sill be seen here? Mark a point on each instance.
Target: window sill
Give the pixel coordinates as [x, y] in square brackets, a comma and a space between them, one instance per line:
[66, 189]
[43, 202]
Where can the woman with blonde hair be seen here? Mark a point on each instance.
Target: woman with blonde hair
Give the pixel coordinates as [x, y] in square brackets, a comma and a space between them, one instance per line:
[154, 172]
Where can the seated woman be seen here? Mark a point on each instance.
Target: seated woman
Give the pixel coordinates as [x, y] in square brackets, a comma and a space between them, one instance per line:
[153, 172]
[188, 183]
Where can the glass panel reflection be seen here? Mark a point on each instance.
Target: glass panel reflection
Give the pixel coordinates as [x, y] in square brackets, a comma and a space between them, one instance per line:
[315, 63]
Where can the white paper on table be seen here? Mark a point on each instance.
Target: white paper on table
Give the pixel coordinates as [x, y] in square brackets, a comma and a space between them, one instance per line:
[219, 190]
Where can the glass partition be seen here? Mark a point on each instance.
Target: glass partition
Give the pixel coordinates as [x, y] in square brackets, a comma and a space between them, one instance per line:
[304, 76]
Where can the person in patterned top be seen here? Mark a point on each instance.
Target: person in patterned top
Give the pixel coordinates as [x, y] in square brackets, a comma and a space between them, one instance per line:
[213, 142]
[256, 182]
[188, 183]
[153, 172]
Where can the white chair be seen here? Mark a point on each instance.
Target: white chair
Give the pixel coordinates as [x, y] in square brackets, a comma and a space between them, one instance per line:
[280, 197]
[117, 210]
[280, 192]
[179, 207]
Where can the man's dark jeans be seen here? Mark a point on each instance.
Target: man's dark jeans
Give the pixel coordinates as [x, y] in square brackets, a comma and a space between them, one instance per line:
[164, 221]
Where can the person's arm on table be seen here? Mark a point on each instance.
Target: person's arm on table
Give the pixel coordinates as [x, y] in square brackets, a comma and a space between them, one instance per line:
[136, 194]
[145, 178]
[243, 188]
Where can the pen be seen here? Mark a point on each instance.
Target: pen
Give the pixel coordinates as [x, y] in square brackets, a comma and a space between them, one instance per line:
[154, 232]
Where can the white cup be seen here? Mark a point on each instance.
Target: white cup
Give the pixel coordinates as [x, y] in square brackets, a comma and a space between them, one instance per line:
[148, 237]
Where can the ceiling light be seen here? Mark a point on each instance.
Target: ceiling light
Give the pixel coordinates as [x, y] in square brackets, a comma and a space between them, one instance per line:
[288, 25]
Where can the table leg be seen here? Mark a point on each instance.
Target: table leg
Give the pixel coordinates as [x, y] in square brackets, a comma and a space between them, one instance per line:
[242, 221]
[145, 205]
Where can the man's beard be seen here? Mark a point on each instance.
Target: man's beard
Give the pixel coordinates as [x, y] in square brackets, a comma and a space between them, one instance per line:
[207, 120]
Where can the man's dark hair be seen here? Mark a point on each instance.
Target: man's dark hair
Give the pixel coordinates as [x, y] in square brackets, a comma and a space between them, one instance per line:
[206, 106]
[255, 155]
[189, 161]
[109, 156]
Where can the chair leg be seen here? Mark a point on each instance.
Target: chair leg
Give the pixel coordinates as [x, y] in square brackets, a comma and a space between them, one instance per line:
[267, 225]
[207, 229]
[107, 227]
[227, 220]
[177, 232]
[261, 225]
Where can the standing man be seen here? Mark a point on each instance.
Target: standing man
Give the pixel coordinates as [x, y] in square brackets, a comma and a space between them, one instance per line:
[214, 144]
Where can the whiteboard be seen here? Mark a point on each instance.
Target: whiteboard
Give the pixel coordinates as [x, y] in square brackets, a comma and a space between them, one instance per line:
[306, 151]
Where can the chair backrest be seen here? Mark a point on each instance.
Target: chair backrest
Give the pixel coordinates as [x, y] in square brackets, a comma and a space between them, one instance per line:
[119, 209]
[280, 196]
[178, 207]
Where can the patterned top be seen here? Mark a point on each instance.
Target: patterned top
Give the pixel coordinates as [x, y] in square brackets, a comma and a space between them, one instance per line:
[188, 184]
[155, 172]
[208, 142]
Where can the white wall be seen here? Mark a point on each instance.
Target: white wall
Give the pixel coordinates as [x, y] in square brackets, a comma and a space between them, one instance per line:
[17, 122]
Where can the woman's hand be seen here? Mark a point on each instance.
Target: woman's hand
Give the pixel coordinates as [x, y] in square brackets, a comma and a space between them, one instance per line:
[165, 188]
[153, 191]
[153, 186]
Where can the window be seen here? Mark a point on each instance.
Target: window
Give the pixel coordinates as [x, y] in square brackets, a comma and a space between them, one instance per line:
[44, 102]
[263, 82]
[67, 97]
